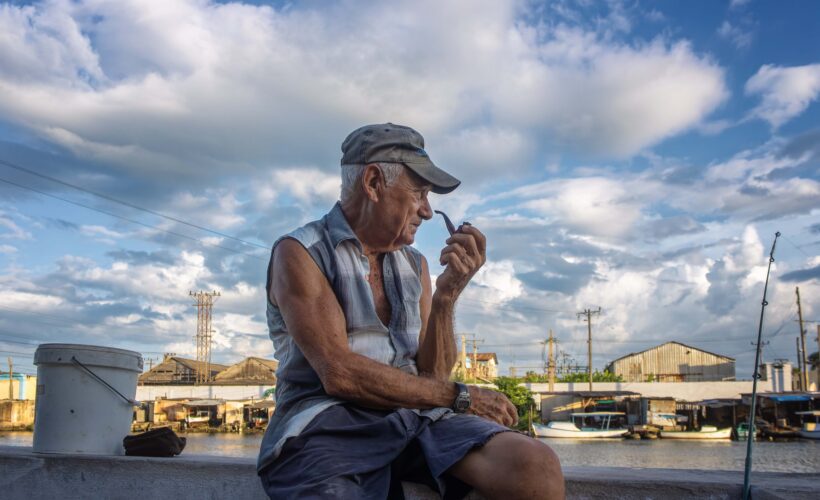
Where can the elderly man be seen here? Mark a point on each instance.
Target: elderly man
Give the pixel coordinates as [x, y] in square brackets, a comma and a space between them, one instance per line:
[366, 347]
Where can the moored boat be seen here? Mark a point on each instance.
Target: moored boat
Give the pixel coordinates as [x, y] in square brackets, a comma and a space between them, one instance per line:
[705, 432]
[811, 424]
[583, 426]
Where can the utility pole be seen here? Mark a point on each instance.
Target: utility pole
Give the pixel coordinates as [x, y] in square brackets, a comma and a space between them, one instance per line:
[475, 342]
[588, 313]
[11, 379]
[204, 305]
[464, 356]
[817, 371]
[817, 375]
[551, 365]
[804, 373]
[799, 364]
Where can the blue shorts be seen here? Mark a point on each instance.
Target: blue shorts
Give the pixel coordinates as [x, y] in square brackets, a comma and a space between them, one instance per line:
[352, 452]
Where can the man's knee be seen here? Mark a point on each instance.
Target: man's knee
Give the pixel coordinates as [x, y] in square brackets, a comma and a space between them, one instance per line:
[540, 469]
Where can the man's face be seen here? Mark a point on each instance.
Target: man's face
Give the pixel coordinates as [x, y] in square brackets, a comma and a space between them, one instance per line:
[405, 207]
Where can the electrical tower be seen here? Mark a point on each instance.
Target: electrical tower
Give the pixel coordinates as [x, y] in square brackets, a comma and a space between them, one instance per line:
[204, 305]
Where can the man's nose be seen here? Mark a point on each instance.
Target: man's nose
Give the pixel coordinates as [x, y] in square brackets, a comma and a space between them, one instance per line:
[425, 210]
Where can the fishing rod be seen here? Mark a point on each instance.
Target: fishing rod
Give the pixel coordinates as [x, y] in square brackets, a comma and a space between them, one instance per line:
[747, 487]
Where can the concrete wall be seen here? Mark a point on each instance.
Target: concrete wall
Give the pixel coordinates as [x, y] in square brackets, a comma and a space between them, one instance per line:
[681, 391]
[27, 475]
[16, 413]
[25, 386]
[230, 392]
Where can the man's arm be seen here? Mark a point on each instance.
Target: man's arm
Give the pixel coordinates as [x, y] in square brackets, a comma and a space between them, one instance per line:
[437, 348]
[316, 322]
[464, 255]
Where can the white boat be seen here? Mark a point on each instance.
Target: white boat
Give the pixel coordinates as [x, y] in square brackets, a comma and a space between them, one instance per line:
[583, 426]
[200, 417]
[705, 432]
[810, 430]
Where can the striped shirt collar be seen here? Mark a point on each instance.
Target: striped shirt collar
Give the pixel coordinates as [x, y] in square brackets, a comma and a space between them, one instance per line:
[339, 229]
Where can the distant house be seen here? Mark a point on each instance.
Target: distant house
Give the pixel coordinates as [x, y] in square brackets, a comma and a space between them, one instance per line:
[175, 370]
[249, 371]
[673, 362]
[486, 365]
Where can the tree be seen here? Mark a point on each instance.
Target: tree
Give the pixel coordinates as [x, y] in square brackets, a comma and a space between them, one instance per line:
[597, 376]
[519, 395]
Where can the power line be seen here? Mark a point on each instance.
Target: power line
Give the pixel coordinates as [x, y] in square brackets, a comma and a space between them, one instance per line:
[38, 313]
[795, 246]
[111, 214]
[517, 308]
[17, 352]
[130, 205]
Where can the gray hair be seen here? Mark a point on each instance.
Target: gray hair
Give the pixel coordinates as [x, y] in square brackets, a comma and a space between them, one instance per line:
[352, 176]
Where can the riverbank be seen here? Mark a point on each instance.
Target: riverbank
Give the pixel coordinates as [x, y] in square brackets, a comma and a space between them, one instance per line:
[29, 475]
[796, 456]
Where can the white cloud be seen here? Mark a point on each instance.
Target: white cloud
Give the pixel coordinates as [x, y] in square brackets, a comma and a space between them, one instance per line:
[739, 38]
[97, 231]
[7, 249]
[785, 92]
[190, 87]
[596, 206]
[12, 230]
[495, 283]
[308, 185]
[582, 98]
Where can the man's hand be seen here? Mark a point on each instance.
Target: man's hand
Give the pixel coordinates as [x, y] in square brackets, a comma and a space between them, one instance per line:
[465, 253]
[492, 405]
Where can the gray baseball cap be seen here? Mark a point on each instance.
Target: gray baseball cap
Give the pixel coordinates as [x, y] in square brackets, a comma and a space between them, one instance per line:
[390, 143]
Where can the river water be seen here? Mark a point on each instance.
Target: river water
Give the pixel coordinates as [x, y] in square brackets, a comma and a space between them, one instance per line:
[793, 456]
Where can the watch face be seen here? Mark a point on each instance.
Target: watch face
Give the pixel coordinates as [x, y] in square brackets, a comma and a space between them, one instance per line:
[463, 403]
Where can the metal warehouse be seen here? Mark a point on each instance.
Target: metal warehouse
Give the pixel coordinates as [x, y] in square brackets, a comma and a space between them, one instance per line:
[673, 362]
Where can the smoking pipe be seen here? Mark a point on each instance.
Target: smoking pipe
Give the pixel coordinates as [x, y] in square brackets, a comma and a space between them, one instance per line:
[450, 227]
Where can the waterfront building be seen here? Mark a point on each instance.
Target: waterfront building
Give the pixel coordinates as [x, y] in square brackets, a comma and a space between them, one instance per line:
[673, 362]
[17, 400]
[249, 371]
[176, 370]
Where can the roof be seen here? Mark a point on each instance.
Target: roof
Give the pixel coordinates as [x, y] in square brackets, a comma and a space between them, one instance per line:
[251, 370]
[164, 370]
[204, 402]
[486, 356]
[267, 403]
[667, 343]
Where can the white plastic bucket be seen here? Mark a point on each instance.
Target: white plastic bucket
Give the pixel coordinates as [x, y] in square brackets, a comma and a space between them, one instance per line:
[84, 398]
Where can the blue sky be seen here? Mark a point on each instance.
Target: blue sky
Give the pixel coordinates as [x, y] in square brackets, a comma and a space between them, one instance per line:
[636, 156]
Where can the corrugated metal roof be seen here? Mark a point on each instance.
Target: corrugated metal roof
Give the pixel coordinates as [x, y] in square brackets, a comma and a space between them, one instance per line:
[667, 343]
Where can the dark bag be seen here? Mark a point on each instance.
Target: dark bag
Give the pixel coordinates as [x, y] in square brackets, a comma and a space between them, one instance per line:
[162, 442]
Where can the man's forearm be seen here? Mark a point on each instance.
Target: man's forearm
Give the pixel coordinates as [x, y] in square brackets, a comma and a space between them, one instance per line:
[359, 379]
[437, 352]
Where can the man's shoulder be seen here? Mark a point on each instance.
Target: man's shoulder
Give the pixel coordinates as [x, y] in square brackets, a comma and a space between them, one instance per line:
[308, 235]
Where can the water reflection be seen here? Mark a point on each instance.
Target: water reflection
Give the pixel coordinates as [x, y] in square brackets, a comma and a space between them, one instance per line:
[796, 456]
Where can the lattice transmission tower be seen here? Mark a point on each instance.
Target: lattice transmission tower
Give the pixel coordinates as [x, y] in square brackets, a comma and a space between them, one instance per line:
[204, 308]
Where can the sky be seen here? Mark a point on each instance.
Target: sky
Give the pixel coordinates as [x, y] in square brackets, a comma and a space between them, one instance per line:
[632, 156]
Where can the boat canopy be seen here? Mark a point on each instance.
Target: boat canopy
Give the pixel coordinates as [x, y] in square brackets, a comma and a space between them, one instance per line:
[787, 398]
[204, 402]
[598, 414]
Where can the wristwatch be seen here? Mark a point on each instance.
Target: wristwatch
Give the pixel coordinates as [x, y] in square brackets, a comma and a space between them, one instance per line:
[462, 401]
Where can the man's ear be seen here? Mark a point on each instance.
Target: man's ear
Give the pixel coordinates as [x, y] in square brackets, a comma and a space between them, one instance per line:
[373, 182]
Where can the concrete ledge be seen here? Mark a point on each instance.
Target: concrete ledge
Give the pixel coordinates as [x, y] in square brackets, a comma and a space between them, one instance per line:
[28, 475]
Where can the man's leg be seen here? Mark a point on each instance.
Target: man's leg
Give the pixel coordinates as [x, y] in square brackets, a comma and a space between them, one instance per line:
[512, 466]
